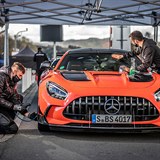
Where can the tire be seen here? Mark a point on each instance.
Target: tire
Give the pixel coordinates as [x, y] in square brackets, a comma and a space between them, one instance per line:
[43, 128]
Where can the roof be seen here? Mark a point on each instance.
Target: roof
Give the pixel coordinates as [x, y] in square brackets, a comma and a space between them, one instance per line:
[94, 50]
[25, 56]
[61, 12]
[25, 52]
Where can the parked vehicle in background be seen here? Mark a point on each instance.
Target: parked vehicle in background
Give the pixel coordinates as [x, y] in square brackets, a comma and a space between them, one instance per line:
[1, 61]
[46, 66]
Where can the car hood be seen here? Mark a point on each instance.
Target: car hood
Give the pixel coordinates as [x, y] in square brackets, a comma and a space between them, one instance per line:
[96, 79]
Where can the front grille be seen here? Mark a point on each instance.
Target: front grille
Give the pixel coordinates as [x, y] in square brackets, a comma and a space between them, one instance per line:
[82, 108]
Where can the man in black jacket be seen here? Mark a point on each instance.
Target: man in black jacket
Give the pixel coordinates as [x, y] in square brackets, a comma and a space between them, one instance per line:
[39, 57]
[10, 100]
[149, 52]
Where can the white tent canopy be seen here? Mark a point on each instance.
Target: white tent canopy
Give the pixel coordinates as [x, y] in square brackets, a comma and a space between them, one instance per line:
[60, 12]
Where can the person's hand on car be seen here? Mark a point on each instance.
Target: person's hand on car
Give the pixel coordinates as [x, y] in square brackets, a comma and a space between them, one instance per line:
[123, 68]
[117, 56]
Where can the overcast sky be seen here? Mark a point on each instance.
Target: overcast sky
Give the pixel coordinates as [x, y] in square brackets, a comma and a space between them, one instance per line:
[70, 32]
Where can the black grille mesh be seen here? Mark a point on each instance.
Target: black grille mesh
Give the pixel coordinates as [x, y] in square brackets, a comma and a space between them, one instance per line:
[82, 108]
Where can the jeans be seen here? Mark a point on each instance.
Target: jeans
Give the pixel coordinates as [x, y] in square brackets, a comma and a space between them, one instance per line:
[7, 124]
[7, 116]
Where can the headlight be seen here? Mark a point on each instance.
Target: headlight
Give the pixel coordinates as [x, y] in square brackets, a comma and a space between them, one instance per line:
[56, 91]
[157, 95]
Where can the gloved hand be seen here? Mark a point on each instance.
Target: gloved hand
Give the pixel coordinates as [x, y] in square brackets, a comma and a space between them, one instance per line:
[19, 107]
[33, 116]
[22, 108]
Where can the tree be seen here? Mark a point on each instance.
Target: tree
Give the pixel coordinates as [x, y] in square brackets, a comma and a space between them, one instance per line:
[21, 43]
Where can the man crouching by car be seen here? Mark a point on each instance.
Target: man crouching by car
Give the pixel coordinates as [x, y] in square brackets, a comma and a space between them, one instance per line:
[10, 100]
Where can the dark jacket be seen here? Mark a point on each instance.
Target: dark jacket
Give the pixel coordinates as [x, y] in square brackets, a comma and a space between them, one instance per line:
[150, 55]
[8, 92]
[39, 57]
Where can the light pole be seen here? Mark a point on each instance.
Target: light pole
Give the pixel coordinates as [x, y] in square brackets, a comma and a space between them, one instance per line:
[18, 35]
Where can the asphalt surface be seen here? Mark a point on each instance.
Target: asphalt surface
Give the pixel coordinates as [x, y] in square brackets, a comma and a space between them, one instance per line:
[30, 144]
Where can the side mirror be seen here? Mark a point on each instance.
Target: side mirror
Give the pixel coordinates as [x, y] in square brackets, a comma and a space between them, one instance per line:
[45, 65]
[54, 63]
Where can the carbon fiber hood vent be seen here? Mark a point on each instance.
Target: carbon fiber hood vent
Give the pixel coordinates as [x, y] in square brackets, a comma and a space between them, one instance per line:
[75, 76]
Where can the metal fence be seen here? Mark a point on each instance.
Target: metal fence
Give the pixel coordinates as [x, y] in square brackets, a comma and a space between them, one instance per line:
[28, 79]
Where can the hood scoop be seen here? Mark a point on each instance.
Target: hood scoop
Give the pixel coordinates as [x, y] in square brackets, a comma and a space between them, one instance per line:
[74, 76]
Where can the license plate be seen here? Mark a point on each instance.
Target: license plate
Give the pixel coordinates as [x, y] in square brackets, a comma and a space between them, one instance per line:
[97, 118]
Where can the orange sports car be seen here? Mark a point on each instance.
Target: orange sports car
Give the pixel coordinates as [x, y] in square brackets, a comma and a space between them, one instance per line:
[89, 91]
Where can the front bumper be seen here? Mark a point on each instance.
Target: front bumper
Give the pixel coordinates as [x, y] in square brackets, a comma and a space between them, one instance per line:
[75, 127]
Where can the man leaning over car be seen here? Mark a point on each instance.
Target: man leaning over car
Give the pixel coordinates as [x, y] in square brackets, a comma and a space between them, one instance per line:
[149, 52]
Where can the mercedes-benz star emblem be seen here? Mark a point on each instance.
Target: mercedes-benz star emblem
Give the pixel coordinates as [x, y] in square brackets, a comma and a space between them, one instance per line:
[112, 106]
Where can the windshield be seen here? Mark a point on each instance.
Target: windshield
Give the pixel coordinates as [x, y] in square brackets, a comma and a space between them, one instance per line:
[93, 62]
